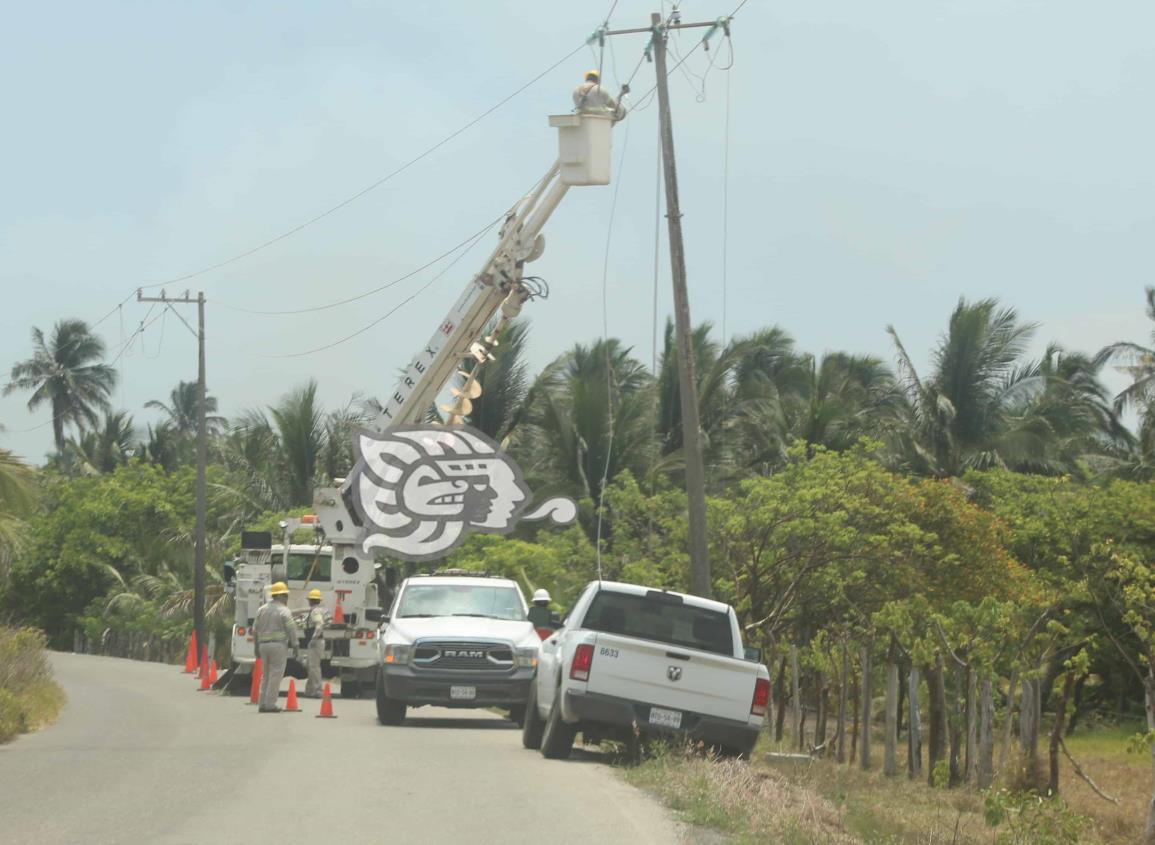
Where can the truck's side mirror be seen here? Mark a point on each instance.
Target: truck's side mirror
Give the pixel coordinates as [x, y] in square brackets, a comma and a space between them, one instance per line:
[753, 654]
[374, 614]
[230, 573]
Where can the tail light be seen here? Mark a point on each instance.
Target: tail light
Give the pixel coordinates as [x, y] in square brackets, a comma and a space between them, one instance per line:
[583, 659]
[761, 700]
[240, 630]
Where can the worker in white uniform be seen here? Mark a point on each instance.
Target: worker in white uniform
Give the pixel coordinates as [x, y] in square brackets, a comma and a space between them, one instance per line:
[275, 635]
[315, 643]
[539, 613]
[591, 98]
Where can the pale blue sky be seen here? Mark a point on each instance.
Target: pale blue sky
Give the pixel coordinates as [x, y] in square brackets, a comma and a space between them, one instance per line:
[886, 158]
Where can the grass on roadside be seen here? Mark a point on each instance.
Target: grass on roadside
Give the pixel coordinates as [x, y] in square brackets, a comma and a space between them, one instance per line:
[29, 697]
[775, 800]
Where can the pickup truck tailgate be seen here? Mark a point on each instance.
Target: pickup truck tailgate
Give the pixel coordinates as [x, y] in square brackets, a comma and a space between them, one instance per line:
[672, 677]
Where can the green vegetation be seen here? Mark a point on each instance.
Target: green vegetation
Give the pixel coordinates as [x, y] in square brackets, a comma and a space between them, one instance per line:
[29, 698]
[964, 548]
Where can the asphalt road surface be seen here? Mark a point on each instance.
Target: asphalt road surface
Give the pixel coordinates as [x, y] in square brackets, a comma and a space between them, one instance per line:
[139, 756]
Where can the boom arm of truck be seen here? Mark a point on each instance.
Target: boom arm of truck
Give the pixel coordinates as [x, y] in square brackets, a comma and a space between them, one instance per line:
[498, 290]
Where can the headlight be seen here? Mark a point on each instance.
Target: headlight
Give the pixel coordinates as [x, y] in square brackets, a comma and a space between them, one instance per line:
[527, 658]
[398, 652]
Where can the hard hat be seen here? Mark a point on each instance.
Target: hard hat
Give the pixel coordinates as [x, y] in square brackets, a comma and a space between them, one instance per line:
[279, 589]
[541, 595]
[315, 595]
[594, 75]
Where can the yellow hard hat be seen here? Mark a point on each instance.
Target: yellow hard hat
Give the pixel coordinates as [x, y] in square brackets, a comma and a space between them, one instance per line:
[315, 595]
[594, 74]
[279, 589]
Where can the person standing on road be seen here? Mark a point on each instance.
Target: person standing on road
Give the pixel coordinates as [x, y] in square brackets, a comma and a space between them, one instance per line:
[315, 643]
[275, 634]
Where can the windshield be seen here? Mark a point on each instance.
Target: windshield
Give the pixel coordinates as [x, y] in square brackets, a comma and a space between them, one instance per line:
[662, 619]
[494, 602]
[301, 565]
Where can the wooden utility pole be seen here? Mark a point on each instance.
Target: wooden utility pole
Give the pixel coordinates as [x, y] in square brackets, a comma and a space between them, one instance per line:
[700, 580]
[202, 453]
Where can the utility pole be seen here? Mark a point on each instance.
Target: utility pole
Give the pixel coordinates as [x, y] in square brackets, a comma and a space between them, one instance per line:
[700, 579]
[202, 454]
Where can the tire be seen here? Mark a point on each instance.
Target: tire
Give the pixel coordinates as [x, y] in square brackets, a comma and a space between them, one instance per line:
[557, 737]
[350, 689]
[532, 725]
[517, 714]
[389, 711]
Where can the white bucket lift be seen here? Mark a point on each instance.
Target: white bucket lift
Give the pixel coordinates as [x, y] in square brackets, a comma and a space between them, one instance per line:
[584, 147]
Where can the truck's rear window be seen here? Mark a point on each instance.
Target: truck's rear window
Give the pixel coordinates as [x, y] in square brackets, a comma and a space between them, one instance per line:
[660, 621]
[302, 564]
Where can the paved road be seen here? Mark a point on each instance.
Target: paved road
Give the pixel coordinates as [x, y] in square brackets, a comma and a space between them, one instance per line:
[139, 756]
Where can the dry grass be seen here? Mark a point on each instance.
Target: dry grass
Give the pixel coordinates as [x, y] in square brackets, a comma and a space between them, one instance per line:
[29, 698]
[773, 800]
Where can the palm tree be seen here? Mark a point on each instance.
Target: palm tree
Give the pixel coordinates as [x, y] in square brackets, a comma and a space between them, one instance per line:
[181, 411]
[771, 381]
[66, 373]
[568, 438]
[17, 496]
[846, 397]
[300, 426]
[960, 414]
[1138, 362]
[986, 405]
[101, 451]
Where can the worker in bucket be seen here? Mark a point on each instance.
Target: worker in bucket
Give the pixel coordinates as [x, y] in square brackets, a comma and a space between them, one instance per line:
[276, 635]
[539, 614]
[315, 643]
[591, 98]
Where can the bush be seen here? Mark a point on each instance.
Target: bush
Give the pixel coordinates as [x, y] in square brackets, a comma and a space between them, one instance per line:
[29, 698]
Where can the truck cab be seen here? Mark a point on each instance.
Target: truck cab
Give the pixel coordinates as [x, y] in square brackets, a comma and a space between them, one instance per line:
[456, 640]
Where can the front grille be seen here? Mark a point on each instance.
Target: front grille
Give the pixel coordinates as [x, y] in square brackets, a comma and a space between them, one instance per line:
[463, 656]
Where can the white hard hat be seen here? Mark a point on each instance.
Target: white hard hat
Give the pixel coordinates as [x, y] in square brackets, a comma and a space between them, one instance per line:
[541, 595]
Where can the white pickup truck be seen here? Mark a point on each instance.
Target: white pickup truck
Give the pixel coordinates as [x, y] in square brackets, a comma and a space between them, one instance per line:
[632, 661]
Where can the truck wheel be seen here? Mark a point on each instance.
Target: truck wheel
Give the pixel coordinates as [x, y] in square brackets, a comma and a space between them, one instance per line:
[517, 714]
[557, 737]
[350, 689]
[532, 725]
[389, 711]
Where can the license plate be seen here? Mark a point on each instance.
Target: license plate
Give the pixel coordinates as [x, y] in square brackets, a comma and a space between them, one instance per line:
[665, 718]
[470, 693]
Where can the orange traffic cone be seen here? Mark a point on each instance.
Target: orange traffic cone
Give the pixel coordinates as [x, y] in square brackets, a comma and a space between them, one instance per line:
[213, 673]
[203, 666]
[255, 689]
[339, 612]
[326, 705]
[190, 661]
[205, 683]
[291, 705]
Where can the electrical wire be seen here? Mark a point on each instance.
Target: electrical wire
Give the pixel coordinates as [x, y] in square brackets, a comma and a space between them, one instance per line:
[372, 186]
[388, 313]
[606, 348]
[367, 293]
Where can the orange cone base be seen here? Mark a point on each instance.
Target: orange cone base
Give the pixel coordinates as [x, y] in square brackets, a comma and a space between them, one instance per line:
[326, 705]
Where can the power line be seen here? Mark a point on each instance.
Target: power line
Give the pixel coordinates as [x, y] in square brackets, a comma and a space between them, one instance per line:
[367, 293]
[392, 310]
[371, 187]
[606, 348]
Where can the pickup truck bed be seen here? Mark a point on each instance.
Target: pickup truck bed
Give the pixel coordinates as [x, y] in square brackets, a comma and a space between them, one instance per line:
[633, 661]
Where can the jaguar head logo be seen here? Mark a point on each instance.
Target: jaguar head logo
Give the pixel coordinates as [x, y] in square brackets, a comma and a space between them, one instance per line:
[425, 489]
